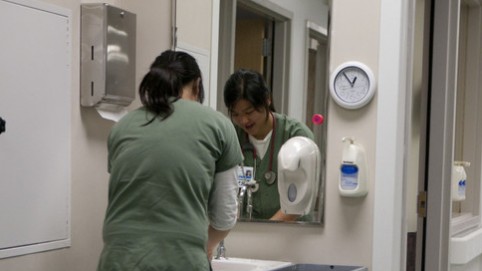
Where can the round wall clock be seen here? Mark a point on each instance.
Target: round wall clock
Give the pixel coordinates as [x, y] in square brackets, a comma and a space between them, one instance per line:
[352, 85]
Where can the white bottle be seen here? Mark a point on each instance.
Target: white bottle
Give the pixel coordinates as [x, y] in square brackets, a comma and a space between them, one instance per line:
[353, 170]
[459, 179]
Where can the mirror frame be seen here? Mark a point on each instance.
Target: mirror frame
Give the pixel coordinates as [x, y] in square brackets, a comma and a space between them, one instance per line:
[281, 74]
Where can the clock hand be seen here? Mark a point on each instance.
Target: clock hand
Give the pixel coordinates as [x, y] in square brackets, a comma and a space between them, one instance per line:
[351, 84]
[354, 80]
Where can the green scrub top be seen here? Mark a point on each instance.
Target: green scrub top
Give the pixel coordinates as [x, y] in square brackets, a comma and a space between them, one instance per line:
[160, 182]
[266, 200]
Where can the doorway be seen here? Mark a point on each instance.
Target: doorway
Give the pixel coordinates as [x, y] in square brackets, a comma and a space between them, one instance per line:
[254, 42]
[449, 130]
[255, 35]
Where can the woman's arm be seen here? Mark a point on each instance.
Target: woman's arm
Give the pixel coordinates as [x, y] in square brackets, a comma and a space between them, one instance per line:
[222, 207]
[214, 237]
[283, 217]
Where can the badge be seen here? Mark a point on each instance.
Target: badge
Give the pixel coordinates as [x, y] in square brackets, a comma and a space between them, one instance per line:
[244, 175]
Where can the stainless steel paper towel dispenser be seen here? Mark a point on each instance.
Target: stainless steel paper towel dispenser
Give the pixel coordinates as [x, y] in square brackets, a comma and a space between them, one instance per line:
[108, 55]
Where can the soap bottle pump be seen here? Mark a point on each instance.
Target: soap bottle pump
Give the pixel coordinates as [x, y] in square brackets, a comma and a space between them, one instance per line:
[459, 178]
[353, 170]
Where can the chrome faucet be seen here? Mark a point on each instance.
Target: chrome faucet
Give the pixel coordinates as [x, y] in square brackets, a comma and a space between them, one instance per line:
[246, 190]
[249, 207]
[241, 193]
[221, 251]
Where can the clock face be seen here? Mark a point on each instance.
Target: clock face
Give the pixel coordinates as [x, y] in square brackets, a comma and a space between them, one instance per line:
[352, 85]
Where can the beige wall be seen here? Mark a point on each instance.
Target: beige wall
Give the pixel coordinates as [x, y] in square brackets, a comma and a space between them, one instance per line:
[346, 237]
[89, 155]
[194, 23]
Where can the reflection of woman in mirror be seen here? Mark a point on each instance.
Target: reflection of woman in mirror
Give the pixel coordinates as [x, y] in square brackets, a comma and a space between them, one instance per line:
[261, 133]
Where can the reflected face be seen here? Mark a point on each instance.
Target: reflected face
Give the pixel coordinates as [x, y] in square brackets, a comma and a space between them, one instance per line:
[253, 121]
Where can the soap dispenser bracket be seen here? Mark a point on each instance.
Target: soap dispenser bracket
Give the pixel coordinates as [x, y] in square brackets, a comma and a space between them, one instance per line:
[351, 140]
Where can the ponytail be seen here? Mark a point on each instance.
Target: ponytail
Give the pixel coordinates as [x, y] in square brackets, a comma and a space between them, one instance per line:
[164, 82]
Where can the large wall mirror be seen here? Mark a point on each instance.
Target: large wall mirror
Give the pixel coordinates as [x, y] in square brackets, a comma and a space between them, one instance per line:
[286, 42]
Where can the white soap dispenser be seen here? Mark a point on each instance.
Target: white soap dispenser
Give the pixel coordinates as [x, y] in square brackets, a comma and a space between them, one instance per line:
[299, 164]
[459, 178]
[353, 170]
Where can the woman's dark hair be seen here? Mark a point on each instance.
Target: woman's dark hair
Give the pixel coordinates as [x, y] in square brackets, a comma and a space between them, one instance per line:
[248, 85]
[163, 84]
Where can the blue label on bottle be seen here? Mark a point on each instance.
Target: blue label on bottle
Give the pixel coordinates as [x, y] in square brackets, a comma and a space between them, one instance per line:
[461, 188]
[349, 177]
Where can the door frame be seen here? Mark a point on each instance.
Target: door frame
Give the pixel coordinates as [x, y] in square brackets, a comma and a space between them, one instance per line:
[389, 241]
[442, 83]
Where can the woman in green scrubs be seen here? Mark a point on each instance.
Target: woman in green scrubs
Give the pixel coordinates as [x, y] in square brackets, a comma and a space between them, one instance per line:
[261, 133]
[172, 164]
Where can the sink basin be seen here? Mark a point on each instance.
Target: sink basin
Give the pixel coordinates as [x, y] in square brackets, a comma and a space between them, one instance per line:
[241, 264]
[321, 267]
